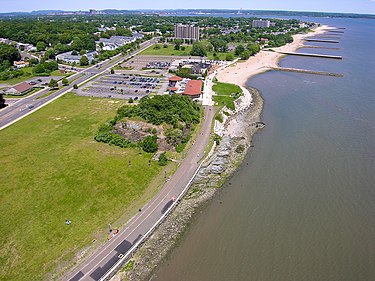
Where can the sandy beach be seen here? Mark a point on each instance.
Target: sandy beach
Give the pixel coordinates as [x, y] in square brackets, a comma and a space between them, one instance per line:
[241, 72]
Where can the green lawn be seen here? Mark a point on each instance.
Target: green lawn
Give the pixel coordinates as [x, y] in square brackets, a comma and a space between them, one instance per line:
[28, 74]
[226, 94]
[220, 56]
[52, 170]
[170, 51]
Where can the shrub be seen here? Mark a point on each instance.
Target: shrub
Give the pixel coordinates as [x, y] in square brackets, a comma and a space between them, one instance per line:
[163, 159]
[65, 82]
[219, 117]
[150, 144]
[217, 139]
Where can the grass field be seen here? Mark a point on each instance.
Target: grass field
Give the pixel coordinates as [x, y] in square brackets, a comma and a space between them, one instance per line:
[53, 170]
[170, 51]
[226, 94]
[28, 74]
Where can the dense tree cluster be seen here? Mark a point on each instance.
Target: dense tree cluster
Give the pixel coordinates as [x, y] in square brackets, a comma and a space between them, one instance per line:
[163, 109]
[8, 53]
[178, 111]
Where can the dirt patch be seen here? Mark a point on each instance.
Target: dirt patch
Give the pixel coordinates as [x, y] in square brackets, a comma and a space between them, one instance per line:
[137, 130]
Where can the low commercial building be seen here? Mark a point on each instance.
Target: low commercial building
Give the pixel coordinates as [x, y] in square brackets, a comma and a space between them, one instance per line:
[118, 41]
[69, 58]
[261, 23]
[193, 89]
[19, 89]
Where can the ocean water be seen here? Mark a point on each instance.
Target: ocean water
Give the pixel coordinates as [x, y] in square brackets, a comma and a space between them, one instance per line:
[302, 205]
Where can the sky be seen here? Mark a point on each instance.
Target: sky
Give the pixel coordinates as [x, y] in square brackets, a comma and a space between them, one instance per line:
[347, 6]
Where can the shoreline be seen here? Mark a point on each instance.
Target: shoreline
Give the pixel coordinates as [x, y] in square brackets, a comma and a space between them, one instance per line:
[264, 60]
[237, 131]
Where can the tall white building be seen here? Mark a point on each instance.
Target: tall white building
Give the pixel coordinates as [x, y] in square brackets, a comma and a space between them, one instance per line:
[261, 23]
[186, 32]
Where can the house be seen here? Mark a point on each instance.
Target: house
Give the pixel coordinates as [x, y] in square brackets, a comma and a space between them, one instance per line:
[173, 81]
[193, 89]
[19, 89]
[21, 64]
[118, 41]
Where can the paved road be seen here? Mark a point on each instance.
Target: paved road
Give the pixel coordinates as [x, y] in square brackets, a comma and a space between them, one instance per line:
[27, 105]
[107, 256]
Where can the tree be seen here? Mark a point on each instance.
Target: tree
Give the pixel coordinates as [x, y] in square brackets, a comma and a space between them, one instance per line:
[239, 50]
[198, 49]
[40, 46]
[253, 48]
[65, 82]
[39, 69]
[150, 144]
[163, 159]
[112, 71]
[75, 86]
[2, 101]
[229, 57]
[9, 53]
[245, 55]
[53, 83]
[84, 61]
[177, 47]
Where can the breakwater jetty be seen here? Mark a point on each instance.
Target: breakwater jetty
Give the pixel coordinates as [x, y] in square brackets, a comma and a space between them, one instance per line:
[321, 47]
[312, 55]
[322, 41]
[330, 37]
[336, 31]
[287, 69]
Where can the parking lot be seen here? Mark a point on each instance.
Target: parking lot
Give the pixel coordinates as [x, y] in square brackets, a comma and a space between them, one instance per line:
[159, 63]
[124, 86]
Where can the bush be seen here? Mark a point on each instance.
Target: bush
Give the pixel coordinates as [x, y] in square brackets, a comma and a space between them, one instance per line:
[163, 160]
[217, 139]
[75, 86]
[65, 82]
[219, 117]
[130, 100]
[229, 57]
[150, 144]
[52, 83]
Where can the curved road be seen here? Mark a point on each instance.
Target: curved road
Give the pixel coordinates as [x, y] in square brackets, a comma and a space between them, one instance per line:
[109, 255]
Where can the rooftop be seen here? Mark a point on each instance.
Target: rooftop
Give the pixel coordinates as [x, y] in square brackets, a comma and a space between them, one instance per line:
[193, 88]
[23, 87]
[175, 79]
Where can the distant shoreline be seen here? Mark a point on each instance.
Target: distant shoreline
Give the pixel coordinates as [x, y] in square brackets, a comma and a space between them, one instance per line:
[264, 60]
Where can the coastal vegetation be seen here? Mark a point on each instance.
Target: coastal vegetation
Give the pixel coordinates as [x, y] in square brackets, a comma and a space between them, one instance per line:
[60, 173]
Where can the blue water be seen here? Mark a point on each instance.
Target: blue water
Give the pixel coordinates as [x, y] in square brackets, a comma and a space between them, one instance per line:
[302, 206]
